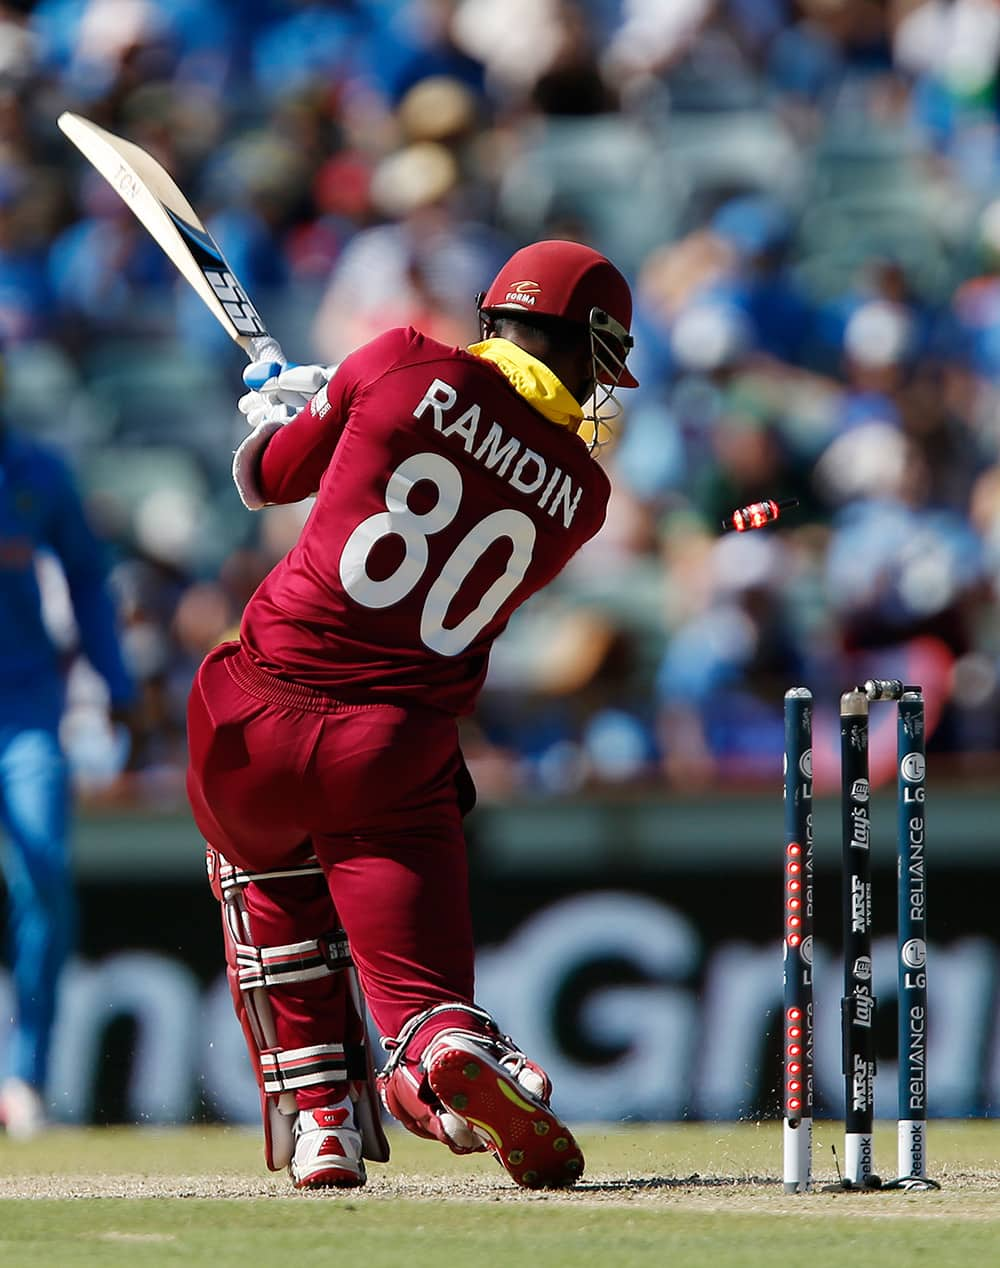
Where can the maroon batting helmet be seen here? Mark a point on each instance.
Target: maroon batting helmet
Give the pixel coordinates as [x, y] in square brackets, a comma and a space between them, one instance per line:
[574, 283]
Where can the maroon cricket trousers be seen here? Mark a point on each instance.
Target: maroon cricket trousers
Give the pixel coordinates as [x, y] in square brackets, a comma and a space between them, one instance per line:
[278, 772]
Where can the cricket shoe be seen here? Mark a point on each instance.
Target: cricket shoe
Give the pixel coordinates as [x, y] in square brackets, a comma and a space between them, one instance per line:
[327, 1150]
[515, 1123]
[22, 1110]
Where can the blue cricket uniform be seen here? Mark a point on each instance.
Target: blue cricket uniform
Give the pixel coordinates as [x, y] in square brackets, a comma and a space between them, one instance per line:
[40, 509]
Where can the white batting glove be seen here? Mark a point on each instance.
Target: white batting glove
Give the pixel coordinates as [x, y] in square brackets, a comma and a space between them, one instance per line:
[298, 380]
[258, 410]
[278, 394]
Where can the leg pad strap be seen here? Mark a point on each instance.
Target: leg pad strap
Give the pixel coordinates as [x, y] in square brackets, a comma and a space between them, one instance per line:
[293, 962]
[284, 1069]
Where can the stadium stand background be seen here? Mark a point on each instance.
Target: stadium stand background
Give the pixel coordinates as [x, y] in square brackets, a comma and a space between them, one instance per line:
[806, 198]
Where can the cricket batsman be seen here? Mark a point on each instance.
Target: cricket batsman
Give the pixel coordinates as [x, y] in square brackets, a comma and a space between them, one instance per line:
[325, 770]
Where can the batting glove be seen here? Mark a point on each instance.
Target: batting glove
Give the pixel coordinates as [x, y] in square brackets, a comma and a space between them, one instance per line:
[278, 393]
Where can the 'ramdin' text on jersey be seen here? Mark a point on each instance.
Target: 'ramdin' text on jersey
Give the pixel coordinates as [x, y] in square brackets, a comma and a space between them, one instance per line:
[522, 468]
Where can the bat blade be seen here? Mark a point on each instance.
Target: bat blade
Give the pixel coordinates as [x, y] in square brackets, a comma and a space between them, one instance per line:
[154, 198]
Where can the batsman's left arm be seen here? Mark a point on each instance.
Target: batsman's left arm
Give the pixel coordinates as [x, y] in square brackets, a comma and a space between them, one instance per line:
[275, 463]
[278, 463]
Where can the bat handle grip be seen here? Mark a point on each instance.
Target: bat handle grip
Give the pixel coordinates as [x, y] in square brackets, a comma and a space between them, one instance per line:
[265, 348]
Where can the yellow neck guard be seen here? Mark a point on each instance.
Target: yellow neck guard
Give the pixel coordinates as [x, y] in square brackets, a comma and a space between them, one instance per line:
[532, 380]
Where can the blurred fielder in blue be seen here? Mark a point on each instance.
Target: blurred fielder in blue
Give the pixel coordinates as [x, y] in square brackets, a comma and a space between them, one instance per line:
[40, 510]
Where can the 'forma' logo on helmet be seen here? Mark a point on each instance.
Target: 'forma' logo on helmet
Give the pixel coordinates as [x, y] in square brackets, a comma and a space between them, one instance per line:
[523, 293]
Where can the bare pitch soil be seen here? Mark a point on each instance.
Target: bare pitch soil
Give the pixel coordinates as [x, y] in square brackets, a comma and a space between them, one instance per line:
[706, 1167]
[751, 1193]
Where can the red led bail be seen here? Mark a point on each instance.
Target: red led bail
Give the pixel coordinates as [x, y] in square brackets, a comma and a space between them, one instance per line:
[757, 514]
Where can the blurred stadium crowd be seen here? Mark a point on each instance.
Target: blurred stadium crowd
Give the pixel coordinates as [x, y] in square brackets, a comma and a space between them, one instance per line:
[805, 195]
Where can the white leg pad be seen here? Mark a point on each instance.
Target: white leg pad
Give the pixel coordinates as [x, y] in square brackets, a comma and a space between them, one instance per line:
[252, 972]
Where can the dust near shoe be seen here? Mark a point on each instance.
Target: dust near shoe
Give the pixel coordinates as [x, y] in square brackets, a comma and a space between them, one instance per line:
[530, 1142]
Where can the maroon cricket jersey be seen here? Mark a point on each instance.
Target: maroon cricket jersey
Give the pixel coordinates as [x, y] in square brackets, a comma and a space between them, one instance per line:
[444, 500]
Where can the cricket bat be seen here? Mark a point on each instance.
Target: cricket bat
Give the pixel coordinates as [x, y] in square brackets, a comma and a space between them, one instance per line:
[153, 197]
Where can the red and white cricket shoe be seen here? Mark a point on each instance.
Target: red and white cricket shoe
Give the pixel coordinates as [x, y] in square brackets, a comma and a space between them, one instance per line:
[327, 1150]
[505, 1109]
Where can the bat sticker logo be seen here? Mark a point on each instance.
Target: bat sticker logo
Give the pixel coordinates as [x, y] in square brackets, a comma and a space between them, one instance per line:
[202, 244]
[228, 291]
[235, 301]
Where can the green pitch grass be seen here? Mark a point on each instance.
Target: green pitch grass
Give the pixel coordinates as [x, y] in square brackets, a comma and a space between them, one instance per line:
[705, 1195]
